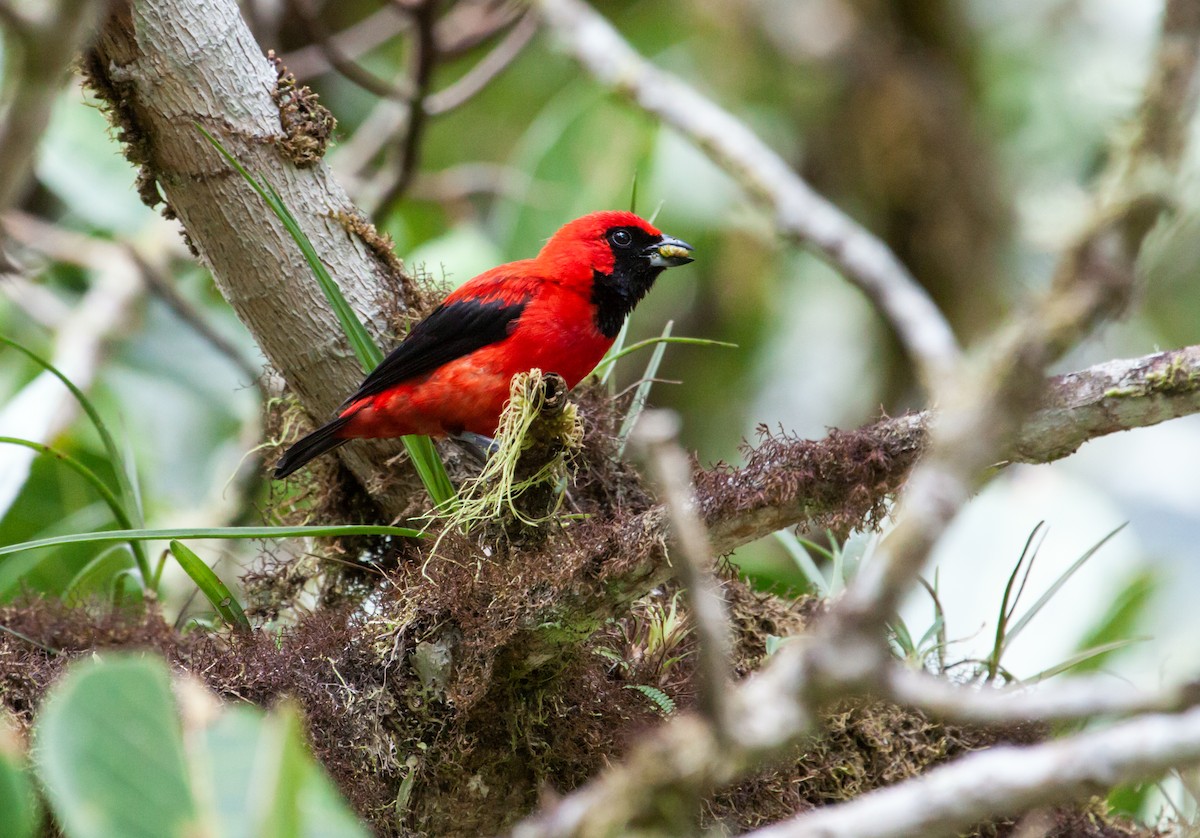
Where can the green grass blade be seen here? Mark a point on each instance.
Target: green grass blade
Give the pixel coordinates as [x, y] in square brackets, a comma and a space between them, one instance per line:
[431, 470]
[901, 639]
[112, 501]
[643, 390]
[221, 598]
[106, 565]
[1082, 657]
[210, 532]
[1028, 552]
[364, 348]
[1058, 583]
[617, 346]
[607, 361]
[421, 450]
[116, 455]
[368, 352]
[804, 561]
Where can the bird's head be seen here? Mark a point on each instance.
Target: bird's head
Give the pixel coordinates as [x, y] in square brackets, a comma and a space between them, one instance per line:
[618, 255]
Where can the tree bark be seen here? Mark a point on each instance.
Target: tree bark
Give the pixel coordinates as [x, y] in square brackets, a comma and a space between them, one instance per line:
[165, 67]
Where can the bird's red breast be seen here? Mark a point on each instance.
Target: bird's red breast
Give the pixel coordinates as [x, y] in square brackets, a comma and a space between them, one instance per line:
[558, 312]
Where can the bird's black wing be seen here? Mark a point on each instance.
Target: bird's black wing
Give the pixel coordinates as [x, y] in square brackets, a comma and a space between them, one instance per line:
[453, 330]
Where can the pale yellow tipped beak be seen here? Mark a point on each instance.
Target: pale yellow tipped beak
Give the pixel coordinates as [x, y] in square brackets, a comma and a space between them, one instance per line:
[670, 252]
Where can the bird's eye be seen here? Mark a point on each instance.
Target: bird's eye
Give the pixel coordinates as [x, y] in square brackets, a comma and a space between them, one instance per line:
[621, 238]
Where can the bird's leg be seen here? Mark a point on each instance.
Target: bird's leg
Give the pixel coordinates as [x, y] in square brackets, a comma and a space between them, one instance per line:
[479, 446]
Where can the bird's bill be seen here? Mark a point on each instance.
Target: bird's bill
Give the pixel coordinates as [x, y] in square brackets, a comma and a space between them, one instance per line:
[669, 253]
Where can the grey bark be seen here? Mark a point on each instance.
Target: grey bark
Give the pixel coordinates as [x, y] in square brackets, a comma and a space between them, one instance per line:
[170, 65]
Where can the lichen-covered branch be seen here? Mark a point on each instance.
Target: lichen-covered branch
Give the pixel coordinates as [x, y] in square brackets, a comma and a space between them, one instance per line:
[801, 214]
[845, 478]
[162, 67]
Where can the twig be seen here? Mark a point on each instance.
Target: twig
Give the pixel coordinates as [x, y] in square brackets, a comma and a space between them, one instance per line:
[657, 434]
[1073, 699]
[982, 406]
[343, 63]
[1006, 780]
[1169, 102]
[373, 30]
[467, 25]
[800, 213]
[488, 68]
[789, 481]
[424, 15]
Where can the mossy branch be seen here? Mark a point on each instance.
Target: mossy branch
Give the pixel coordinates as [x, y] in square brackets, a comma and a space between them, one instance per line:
[846, 480]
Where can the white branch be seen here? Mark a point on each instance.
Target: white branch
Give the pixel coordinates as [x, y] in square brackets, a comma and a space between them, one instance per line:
[1071, 699]
[1006, 780]
[800, 213]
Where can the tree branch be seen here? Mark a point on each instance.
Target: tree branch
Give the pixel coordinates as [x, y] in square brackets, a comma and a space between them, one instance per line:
[846, 479]
[45, 44]
[1006, 780]
[657, 434]
[843, 478]
[984, 402]
[1070, 700]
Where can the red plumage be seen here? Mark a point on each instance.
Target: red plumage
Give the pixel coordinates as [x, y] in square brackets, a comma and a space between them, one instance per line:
[558, 312]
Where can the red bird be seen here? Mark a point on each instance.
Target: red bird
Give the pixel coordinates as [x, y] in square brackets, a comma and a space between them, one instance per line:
[559, 312]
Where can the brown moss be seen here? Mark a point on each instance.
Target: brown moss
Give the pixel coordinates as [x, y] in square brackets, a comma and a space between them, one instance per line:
[843, 480]
[403, 299]
[307, 124]
[117, 103]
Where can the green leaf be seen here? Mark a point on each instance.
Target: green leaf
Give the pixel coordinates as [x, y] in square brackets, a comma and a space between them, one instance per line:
[1122, 616]
[256, 779]
[112, 501]
[212, 532]
[804, 561]
[101, 572]
[110, 754]
[211, 586]
[1008, 602]
[901, 638]
[1080, 658]
[661, 700]
[19, 809]
[612, 357]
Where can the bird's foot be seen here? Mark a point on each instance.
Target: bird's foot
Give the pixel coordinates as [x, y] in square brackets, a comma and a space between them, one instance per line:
[477, 445]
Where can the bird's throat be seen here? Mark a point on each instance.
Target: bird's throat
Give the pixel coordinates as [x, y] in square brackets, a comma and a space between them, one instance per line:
[615, 295]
